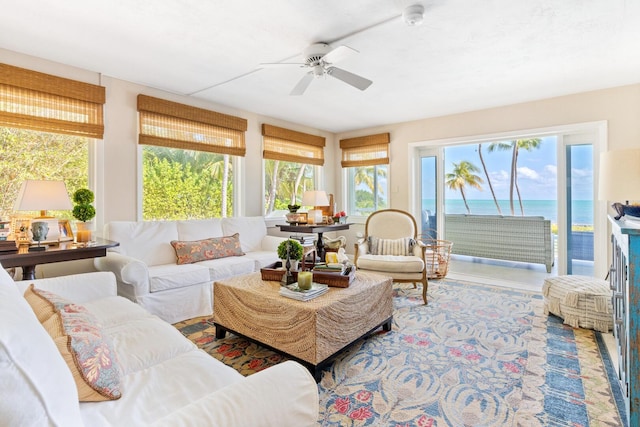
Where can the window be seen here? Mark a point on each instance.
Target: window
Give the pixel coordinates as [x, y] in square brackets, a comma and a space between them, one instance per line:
[47, 126]
[289, 167]
[187, 160]
[365, 160]
[28, 154]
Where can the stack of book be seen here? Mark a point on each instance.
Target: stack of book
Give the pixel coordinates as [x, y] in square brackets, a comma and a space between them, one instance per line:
[6, 245]
[294, 292]
[304, 239]
[331, 268]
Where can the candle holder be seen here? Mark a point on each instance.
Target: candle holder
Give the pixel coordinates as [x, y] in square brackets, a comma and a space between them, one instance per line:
[287, 277]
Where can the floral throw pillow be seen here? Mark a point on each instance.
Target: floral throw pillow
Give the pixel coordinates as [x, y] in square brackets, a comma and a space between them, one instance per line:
[403, 246]
[189, 252]
[86, 349]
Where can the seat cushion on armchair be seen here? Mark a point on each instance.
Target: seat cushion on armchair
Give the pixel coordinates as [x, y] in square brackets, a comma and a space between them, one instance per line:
[391, 263]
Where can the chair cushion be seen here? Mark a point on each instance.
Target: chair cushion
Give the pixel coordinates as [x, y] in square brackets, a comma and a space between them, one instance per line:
[86, 349]
[189, 252]
[391, 263]
[402, 246]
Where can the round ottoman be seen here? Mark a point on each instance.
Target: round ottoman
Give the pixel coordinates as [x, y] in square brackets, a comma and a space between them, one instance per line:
[582, 301]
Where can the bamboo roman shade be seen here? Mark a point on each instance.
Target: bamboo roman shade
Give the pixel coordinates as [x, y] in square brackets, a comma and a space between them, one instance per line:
[42, 102]
[365, 150]
[170, 124]
[291, 146]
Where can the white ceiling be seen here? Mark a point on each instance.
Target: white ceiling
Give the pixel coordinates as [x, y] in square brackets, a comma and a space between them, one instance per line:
[467, 55]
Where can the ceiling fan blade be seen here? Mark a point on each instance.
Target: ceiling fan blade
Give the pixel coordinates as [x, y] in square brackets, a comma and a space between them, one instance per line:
[349, 78]
[302, 85]
[281, 65]
[338, 54]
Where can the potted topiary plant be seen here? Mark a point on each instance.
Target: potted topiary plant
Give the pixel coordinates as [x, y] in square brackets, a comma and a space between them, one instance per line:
[295, 252]
[84, 212]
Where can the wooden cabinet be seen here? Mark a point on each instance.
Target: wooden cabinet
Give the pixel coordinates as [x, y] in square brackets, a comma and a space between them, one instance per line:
[625, 283]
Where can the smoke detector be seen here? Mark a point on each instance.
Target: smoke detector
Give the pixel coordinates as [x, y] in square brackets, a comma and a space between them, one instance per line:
[413, 15]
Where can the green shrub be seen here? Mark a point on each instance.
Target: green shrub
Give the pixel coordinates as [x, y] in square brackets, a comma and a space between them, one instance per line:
[295, 250]
[83, 210]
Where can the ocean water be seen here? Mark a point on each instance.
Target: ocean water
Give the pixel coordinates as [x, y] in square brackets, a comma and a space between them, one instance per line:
[582, 210]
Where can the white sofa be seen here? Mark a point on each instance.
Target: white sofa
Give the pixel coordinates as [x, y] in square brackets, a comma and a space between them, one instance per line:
[147, 272]
[165, 380]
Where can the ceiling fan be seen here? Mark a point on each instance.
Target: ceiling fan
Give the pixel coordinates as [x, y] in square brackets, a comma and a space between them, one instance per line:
[319, 59]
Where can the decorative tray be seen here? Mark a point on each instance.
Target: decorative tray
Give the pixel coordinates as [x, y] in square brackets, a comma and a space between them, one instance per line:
[335, 279]
[274, 272]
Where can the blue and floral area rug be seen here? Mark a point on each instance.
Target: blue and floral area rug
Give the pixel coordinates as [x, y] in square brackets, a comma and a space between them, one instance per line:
[474, 356]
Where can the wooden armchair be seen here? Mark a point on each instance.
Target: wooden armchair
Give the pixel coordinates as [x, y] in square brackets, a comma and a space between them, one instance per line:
[390, 247]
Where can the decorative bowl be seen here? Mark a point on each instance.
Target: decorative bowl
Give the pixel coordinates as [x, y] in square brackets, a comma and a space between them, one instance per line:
[631, 210]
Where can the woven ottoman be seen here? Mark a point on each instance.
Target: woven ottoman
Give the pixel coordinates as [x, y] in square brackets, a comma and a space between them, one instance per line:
[582, 301]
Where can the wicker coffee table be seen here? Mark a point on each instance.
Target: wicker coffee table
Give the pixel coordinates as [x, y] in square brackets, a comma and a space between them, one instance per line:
[310, 332]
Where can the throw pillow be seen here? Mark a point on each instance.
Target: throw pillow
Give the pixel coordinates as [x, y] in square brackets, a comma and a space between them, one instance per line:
[86, 349]
[189, 252]
[403, 246]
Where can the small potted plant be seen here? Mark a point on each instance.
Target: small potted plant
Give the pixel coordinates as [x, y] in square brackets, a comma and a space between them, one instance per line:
[295, 252]
[83, 211]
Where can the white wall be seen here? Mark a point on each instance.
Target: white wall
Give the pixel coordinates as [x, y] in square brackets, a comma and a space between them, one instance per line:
[117, 158]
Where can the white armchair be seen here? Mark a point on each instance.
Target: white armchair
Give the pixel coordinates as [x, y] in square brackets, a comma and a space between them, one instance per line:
[390, 246]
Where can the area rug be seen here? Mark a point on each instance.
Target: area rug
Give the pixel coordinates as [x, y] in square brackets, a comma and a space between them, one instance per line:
[474, 356]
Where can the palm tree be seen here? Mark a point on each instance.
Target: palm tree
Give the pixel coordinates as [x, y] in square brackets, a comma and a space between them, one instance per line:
[486, 173]
[220, 170]
[273, 184]
[515, 146]
[463, 174]
[368, 176]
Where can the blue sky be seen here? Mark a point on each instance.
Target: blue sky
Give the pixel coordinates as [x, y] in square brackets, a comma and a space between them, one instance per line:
[537, 171]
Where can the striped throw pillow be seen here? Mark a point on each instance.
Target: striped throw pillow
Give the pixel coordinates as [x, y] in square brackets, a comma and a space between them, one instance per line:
[398, 247]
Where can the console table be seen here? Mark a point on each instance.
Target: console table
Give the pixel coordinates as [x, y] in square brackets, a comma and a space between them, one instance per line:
[624, 278]
[65, 251]
[315, 228]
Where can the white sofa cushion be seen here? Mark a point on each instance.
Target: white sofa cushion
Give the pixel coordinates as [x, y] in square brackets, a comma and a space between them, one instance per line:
[147, 241]
[198, 229]
[171, 276]
[227, 267]
[250, 228]
[42, 390]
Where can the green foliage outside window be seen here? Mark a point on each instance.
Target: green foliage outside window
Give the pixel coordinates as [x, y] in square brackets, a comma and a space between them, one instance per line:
[285, 184]
[185, 184]
[367, 189]
[27, 154]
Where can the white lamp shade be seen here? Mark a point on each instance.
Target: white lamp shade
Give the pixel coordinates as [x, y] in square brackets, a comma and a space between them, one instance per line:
[619, 176]
[315, 198]
[38, 195]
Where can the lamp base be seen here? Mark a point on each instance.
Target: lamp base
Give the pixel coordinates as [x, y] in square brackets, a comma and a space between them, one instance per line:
[37, 248]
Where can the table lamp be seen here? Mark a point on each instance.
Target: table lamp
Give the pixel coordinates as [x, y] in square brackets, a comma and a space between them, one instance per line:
[619, 180]
[315, 198]
[41, 195]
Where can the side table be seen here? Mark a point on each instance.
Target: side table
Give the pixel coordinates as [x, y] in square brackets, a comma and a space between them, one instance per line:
[65, 251]
[315, 228]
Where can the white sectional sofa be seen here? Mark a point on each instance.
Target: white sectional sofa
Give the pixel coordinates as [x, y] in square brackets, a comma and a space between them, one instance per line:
[164, 379]
[147, 272]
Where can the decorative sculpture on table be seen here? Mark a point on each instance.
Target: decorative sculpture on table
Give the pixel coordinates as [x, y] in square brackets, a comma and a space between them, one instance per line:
[39, 229]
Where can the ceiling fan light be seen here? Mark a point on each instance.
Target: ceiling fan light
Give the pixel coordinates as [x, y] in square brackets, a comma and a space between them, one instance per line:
[318, 71]
[413, 15]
